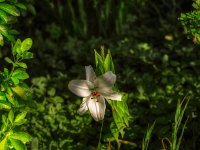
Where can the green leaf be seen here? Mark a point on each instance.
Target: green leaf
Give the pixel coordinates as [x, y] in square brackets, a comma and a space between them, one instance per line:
[9, 9]
[98, 58]
[15, 80]
[6, 72]
[21, 64]
[4, 104]
[4, 16]
[20, 74]
[108, 63]
[20, 122]
[26, 44]
[19, 118]
[22, 136]
[18, 145]
[99, 63]
[17, 47]
[21, 6]
[2, 96]
[31, 9]
[3, 143]
[11, 116]
[4, 32]
[27, 55]
[114, 130]
[4, 120]
[146, 139]
[11, 98]
[8, 60]
[1, 40]
[21, 91]
[13, 31]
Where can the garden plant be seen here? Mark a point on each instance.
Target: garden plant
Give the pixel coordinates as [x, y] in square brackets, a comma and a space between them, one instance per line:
[99, 75]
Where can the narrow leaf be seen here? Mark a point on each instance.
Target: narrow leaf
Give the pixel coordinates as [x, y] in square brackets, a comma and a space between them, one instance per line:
[8, 60]
[9, 9]
[21, 6]
[21, 64]
[4, 16]
[108, 63]
[17, 47]
[1, 40]
[11, 116]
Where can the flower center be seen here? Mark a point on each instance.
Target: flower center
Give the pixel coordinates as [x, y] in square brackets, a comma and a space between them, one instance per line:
[95, 94]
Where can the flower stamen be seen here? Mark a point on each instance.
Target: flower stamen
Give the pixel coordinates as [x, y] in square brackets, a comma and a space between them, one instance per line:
[95, 94]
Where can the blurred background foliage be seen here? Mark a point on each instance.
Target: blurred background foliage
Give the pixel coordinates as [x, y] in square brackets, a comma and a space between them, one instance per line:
[156, 64]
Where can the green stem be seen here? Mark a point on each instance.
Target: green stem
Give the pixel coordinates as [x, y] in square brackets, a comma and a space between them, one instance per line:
[99, 143]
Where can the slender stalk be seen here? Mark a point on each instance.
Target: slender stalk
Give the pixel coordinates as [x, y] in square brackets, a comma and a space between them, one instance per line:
[127, 142]
[99, 143]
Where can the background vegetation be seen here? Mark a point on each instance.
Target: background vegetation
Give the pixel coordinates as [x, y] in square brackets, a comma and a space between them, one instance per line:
[155, 62]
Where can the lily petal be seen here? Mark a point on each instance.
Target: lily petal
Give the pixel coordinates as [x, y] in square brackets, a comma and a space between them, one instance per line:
[90, 74]
[83, 108]
[97, 107]
[80, 87]
[109, 94]
[107, 80]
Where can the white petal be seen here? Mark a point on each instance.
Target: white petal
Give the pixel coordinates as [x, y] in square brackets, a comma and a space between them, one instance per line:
[90, 74]
[80, 87]
[97, 107]
[83, 108]
[107, 80]
[110, 94]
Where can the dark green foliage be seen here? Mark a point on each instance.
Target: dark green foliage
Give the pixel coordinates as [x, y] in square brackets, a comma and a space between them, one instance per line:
[154, 62]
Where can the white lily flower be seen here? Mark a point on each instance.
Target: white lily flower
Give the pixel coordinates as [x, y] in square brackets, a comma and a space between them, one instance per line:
[94, 91]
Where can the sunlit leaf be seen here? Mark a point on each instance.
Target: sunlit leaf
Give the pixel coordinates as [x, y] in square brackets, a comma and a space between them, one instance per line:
[20, 117]
[4, 31]
[4, 16]
[26, 44]
[11, 98]
[9, 9]
[20, 74]
[1, 40]
[3, 143]
[21, 64]
[22, 136]
[22, 91]
[18, 145]
[4, 104]
[2, 96]
[15, 80]
[108, 63]
[11, 116]
[8, 60]
[17, 47]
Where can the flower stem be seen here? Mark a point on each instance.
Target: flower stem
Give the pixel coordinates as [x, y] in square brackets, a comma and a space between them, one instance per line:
[99, 143]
